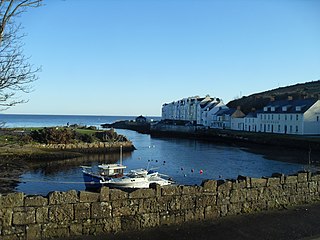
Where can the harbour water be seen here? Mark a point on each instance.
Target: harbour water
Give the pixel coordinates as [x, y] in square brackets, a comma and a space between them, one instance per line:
[186, 161]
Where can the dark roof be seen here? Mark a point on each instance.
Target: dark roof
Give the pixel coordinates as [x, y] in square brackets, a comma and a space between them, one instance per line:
[224, 111]
[251, 115]
[292, 106]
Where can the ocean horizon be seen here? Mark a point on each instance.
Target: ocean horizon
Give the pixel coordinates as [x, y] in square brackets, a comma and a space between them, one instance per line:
[48, 120]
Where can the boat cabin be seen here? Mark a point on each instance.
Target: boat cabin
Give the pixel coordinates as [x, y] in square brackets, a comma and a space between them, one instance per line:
[111, 170]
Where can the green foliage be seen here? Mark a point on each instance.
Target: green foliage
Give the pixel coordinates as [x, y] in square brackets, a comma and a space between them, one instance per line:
[53, 135]
[110, 136]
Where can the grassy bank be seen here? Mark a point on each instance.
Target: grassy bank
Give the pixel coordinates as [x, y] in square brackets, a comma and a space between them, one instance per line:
[58, 142]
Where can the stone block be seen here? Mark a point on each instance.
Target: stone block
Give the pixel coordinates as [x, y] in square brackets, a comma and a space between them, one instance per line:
[280, 176]
[18, 231]
[239, 184]
[312, 186]
[167, 218]
[157, 189]
[315, 177]
[237, 196]
[245, 179]
[6, 217]
[148, 205]
[76, 229]
[187, 202]
[290, 179]
[100, 210]
[272, 181]
[12, 200]
[104, 194]
[302, 177]
[170, 190]
[224, 186]
[211, 212]
[150, 220]
[206, 200]
[130, 223]
[33, 231]
[209, 185]
[63, 197]
[82, 211]
[117, 194]
[53, 230]
[222, 200]
[258, 182]
[24, 217]
[174, 203]
[223, 210]
[35, 201]
[61, 213]
[87, 197]
[143, 193]
[234, 209]
[42, 214]
[127, 210]
[187, 190]
[112, 224]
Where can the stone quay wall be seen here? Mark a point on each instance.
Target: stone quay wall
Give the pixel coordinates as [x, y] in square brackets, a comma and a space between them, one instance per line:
[89, 147]
[72, 213]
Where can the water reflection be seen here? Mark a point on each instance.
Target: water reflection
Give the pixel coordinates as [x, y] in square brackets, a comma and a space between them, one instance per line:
[63, 166]
[187, 161]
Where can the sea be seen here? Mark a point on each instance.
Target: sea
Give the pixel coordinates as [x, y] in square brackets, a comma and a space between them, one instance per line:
[187, 161]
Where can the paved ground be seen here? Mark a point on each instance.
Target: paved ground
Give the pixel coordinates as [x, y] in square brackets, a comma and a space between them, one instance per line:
[296, 223]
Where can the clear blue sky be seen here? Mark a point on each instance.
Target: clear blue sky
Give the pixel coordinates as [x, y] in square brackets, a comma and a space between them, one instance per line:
[128, 57]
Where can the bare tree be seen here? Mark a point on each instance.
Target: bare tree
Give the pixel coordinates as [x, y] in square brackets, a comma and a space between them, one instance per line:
[16, 73]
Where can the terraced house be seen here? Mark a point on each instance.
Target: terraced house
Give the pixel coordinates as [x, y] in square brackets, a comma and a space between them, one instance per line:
[289, 116]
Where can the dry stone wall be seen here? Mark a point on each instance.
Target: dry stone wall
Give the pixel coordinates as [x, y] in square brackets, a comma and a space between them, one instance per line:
[72, 213]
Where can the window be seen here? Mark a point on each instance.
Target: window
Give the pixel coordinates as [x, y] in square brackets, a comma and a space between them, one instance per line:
[272, 116]
[291, 117]
[279, 128]
[297, 117]
[278, 116]
[297, 129]
[285, 117]
[317, 118]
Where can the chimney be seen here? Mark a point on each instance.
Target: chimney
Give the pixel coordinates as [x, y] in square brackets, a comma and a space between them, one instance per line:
[238, 107]
[253, 109]
[272, 99]
[290, 98]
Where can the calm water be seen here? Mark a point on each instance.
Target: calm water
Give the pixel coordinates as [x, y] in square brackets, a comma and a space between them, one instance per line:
[182, 159]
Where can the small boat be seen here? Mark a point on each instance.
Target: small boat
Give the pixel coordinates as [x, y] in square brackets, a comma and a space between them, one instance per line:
[139, 178]
[105, 173]
[112, 175]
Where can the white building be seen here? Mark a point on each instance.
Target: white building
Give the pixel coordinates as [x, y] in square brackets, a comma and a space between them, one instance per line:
[290, 117]
[194, 109]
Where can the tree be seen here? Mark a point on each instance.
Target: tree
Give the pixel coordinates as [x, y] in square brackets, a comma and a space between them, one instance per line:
[16, 73]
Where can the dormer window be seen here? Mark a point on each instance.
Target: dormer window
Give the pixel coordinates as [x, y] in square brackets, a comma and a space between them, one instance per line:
[273, 109]
[265, 109]
[284, 108]
[298, 108]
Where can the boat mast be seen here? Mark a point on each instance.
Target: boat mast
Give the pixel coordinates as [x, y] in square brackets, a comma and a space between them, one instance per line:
[120, 154]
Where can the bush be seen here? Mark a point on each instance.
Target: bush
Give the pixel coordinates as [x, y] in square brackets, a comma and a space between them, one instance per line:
[53, 135]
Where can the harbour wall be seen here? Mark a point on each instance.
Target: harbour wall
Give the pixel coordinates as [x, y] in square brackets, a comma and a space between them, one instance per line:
[96, 147]
[72, 213]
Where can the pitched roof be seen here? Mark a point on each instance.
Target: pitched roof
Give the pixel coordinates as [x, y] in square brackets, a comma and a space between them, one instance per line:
[288, 106]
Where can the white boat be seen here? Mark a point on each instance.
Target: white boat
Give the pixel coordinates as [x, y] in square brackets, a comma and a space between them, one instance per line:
[139, 178]
[105, 172]
[112, 175]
